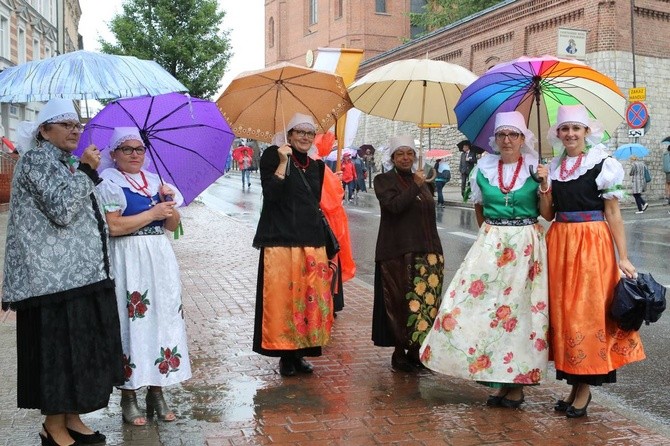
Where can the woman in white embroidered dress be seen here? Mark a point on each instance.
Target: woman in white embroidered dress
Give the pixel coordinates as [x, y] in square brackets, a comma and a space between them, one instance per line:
[138, 208]
[493, 321]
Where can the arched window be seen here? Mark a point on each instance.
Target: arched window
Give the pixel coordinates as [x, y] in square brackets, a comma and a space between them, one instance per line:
[271, 32]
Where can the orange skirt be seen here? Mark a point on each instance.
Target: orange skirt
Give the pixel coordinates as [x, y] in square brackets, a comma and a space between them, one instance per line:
[297, 301]
[583, 271]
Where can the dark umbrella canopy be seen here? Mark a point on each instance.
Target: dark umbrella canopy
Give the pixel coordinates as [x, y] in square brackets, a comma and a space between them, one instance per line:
[364, 148]
[187, 138]
[476, 149]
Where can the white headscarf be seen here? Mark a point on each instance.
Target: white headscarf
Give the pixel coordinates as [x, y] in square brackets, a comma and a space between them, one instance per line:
[56, 110]
[514, 121]
[119, 136]
[575, 114]
[396, 143]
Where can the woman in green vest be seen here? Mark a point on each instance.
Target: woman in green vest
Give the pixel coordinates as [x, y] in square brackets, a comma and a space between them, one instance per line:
[492, 324]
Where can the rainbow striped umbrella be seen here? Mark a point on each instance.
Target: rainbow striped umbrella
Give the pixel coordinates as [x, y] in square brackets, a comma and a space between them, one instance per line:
[536, 87]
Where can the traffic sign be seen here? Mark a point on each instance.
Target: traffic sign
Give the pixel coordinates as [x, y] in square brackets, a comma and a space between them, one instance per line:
[637, 115]
[637, 94]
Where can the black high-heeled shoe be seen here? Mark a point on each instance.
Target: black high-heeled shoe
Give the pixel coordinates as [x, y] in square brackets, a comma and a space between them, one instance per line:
[561, 406]
[286, 366]
[573, 412]
[49, 441]
[302, 365]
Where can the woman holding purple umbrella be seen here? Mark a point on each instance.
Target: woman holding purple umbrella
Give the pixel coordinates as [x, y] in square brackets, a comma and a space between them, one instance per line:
[139, 208]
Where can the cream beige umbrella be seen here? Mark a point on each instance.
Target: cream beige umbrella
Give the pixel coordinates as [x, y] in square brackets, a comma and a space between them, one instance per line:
[422, 91]
[258, 104]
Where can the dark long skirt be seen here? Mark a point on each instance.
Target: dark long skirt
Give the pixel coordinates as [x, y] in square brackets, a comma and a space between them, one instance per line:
[69, 350]
[407, 295]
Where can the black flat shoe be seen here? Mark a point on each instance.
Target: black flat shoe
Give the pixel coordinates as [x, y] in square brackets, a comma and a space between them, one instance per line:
[49, 441]
[573, 412]
[93, 438]
[561, 406]
[286, 367]
[494, 400]
[303, 366]
[511, 404]
[401, 363]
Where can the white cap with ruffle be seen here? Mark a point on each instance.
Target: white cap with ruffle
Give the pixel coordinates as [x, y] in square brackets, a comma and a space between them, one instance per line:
[514, 121]
[396, 143]
[575, 114]
[56, 110]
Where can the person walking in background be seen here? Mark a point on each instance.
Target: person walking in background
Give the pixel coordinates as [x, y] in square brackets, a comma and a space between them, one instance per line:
[666, 169]
[443, 177]
[409, 266]
[493, 322]
[57, 278]
[245, 167]
[466, 164]
[361, 174]
[139, 207]
[294, 304]
[638, 183]
[586, 344]
[348, 176]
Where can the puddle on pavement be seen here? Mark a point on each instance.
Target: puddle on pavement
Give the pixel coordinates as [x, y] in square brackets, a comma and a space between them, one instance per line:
[232, 401]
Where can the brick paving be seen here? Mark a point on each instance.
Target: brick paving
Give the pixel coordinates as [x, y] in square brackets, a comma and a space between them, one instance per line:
[354, 397]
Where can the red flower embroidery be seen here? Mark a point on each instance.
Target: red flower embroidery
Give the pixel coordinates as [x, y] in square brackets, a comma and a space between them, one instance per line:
[534, 270]
[508, 358]
[508, 255]
[127, 368]
[137, 304]
[507, 291]
[503, 312]
[449, 322]
[169, 360]
[527, 250]
[425, 355]
[510, 324]
[477, 287]
[483, 362]
[310, 263]
[540, 344]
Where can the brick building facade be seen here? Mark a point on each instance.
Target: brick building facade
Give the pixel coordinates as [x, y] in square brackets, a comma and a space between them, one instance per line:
[292, 27]
[514, 28]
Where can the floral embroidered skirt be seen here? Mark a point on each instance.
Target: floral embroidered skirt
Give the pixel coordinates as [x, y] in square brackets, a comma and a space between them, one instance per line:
[148, 296]
[583, 272]
[294, 303]
[407, 296]
[493, 322]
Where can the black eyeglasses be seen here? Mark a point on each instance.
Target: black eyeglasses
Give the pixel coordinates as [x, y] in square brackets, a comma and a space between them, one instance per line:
[304, 133]
[513, 136]
[71, 126]
[127, 150]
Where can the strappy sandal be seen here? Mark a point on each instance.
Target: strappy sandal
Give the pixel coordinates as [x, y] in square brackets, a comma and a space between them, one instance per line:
[130, 411]
[156, 403]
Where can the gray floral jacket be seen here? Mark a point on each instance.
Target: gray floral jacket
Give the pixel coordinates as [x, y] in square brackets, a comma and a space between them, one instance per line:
[54, 241]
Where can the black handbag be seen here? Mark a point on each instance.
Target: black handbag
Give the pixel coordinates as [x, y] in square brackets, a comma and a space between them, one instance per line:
[332, 245]
[637, 300]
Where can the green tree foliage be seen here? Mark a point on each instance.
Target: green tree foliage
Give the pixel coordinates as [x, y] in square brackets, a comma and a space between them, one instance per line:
[440, 13]
[183, 36]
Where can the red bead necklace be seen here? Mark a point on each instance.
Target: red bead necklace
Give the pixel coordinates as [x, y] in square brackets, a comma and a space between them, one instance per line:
[142, 188]
[564, 172]
[507, 189]
[299, 164]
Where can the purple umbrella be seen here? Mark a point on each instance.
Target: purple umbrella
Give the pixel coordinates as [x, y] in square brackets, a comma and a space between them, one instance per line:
[187, 138]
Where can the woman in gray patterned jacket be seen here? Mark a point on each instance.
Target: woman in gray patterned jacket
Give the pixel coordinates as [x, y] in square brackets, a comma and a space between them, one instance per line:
[56, 277]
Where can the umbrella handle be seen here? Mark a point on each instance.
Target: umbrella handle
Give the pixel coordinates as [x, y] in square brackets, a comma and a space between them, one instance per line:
[533, 174]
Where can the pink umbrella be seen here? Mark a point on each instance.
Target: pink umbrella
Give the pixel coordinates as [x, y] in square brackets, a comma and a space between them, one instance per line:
[437, 153]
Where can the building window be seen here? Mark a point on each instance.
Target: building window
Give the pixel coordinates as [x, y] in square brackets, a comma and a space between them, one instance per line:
[271, 32]
[21, 45]
[313, 12]
[36, 49]
[338, 9]
[380, 5]
[4, 37]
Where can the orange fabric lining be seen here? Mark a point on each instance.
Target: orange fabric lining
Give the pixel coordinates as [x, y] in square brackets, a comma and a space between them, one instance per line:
[582, 275]
[297, 302]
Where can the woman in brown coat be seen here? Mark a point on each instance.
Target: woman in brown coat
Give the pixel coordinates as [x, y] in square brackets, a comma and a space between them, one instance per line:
[409, 266]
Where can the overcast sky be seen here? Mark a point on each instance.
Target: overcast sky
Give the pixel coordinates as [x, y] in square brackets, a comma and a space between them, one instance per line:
[244, 19]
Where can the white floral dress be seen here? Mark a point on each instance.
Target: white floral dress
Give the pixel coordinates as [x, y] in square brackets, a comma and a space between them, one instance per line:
[493, 321]
[148, 290]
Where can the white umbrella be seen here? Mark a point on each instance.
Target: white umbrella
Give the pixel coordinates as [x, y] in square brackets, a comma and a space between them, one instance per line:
[85, 75]
[422, 91]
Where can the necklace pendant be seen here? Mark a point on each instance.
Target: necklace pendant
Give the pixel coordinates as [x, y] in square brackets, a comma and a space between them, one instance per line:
[506, 200]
